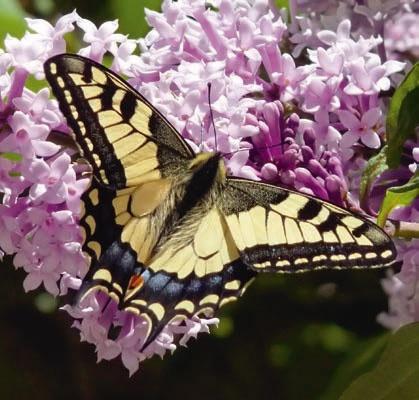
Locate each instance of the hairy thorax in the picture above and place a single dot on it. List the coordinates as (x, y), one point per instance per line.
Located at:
(168, 211)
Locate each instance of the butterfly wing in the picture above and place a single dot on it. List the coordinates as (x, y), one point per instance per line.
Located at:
(134, 153)
(125, 139)
(280, 230)
(112, 261)
(191, 275)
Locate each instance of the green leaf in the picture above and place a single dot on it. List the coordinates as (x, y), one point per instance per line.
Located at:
(375, 167)
(398, 196)
(403, 116)
(131, 15)
(396, 375)
(362, 358)
(16, 157)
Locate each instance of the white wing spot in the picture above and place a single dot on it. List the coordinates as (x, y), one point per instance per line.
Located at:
(355, 256)
(386, 254)
(370, 255)
(321, 257)
(338, 257)
(53, 68)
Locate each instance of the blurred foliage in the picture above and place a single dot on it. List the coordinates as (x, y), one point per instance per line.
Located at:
(130, 13)
(397, 373)
(290, 337)
(11, 19)
(363, 356)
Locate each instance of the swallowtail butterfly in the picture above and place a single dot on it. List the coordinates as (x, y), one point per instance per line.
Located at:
(169, 234)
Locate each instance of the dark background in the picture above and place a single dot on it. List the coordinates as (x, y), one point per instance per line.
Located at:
(290, 337)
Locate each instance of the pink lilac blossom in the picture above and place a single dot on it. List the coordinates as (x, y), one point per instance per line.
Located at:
(221, 48)
(387, 18)
(342, 83)
(287, 125)
(341, 89)
(101, 39)
(402, 36)
(362, 128)
(403, 288)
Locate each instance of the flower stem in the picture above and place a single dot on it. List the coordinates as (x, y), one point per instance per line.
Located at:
(408, 230)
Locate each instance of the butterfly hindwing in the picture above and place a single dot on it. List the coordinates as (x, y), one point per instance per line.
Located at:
(124, 138)
(165, 298)
(201, 248)
(280, 230)
(120, 233)
(112, 261)
(196, 272)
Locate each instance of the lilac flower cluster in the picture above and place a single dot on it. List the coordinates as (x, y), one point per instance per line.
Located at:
(402, 36)
(304, 118)
(41, 190)
(393, 20)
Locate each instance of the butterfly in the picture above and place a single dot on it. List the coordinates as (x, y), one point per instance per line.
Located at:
(168, 233)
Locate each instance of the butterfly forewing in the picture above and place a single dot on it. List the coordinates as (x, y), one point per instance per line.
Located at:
(124, 138)
(280, 230)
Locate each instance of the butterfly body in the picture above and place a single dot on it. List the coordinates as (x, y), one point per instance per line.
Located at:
(169, 234)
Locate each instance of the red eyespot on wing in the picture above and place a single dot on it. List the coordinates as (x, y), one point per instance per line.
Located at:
(135, 282)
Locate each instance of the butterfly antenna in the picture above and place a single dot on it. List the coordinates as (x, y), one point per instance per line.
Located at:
(212, 115)
(256, 148)
(201, 145)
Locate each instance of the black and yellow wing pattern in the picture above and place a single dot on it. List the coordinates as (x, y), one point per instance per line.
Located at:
(137, 159)
(169, 235)
(125, 139)
(280, 230)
